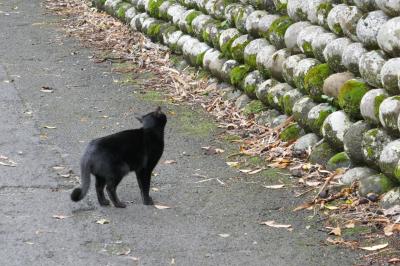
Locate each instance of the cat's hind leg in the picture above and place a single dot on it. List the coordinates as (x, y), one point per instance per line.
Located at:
(100, 184)
(112, 184)
(144, 180)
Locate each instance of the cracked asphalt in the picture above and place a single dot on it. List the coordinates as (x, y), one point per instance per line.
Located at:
(41, 130)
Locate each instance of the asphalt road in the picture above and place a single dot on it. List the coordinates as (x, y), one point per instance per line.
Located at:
(87, 103)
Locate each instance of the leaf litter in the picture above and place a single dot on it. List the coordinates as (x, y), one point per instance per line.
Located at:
(117, 43)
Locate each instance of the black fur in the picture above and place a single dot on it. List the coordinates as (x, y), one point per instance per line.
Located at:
(112, 157)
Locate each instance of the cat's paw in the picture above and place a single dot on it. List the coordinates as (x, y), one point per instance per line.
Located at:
(148, 201)
(104, 202)
(120, 205)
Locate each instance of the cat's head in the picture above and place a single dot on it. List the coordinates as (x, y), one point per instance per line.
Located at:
(156, 119)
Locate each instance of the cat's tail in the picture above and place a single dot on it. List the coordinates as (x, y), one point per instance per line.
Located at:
(80, 192)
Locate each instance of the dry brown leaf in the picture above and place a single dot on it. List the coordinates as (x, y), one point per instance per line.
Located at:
(274, 224)
(350, 225)
(304, 206)
(313, 183)
(336, 231)
(275, 186)
(391, 228)
(161, 207)
(376, 247)
(169, 162)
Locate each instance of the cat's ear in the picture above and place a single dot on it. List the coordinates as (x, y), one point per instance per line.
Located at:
(139, 118)
(158, 110)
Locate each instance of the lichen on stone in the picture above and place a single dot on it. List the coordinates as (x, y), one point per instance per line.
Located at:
(276, 32)
(314, 80)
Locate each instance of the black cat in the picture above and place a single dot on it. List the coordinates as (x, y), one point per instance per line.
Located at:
(112, 157)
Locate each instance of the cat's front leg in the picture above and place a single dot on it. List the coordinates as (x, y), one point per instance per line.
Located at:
(144, 180)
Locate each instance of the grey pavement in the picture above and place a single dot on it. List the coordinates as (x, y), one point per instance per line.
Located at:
(34, 54)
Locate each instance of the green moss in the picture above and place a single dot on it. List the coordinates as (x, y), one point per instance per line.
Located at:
(121, 8)
(238, 74)
(154, 6)
(386, 183)
(253, 107)
(356, 231)
(292, 132)
(199, 59)
(250, 90)
(321, 153)
(251, 61)
(317, 123)
(189, 18)
(350, 95)
(342, 161)
(314, 80)
(337, 29)
(324, 8)
(226, 47)
(153, 31)
(195, 124)
(377, 102)
(237, 51)
(281, 7)
(277, 30)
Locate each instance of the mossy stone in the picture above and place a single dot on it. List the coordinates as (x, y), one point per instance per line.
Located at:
(314, 80)
(186, 21)
(373, 142)
(238, 46)
(370, 103)
(121, 9)
(277, 30)
(377, 184)
(154, 6)
(321, 153)
(153, 31)
(317, 115)
(291, 132)
(226, 39)
(301, 70)
(300, 110)
(237, 75)
(275, 95)
(263, 89)
(250, 83)
(289, 98)
(389, 111)
(339, 160)
(334, 127)
(350, 95)
(352, 141)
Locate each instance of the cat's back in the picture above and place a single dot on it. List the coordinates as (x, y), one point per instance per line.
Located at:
(117, 141)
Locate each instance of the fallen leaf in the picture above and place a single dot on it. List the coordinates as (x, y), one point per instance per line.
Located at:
(246, 171)
(304, 206)
(391, 228)
(335, 241)
(46, 89)
(336, 231)
(211, 151)
(5, 161)
(124, 253)
(60, 217)
(313, 183)
(169, 162)
(102, 221)
(275, 186)
(233, 164)
(50, 127)
(133, 258)
(331, 207)
(28, 242)
(58, 168)
(161, 207)
(394, 261)
(255, 171)
(155, 189)
(224, 235)
(376, 247)
(350, 225)
(274, 224)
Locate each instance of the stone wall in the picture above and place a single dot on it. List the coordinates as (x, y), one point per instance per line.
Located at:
(331, 64)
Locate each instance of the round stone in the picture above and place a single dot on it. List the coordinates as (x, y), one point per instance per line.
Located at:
(348, 22)
(390, 76)
(333, 53)
(263, 89)
(368, 27)
(334, 127)
(297, 9)
(370, 66)
(318, 10)
(305, 38)
(252, 49)
(292, 33)
(373, 142)
(352, 141)
(317, 115)
(275, 95)
(339, 160)
(277, 30)
(389, 111)
(274, 64)
(369, 106)
(175, 13)
(238, 74)
(304, 144)
(238, 46)
(199, 23)
(389, 37)
(265, 24)
(391, 7)
(250, 83)
(377, 184)
(289, 65)
(334, 17)
(241, 17)
(321, 153)
(226, 38)
(389, 158)
(314, 81)
(227, 68)
(365, 5)
(300, 110)
(262, 59)
(334, 82)
(301, 70)
(253, 20)
(319, 43)
(356, 174)
(289, 98)
(351, 55)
